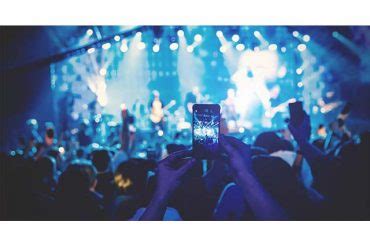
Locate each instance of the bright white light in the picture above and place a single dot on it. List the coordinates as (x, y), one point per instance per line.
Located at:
(283, 49)
(223, 49)
(306, 38)
(299, 71)
(219, 34)
(235, 38)
(315, 109)
(300, 84)
(240, 47)
(89, 32)
(61, 150)
(123, 106)
(257, 34)
(180, 33)
(156, 48)
(241, 130)
(102, 71)
(272, 47)
(91, 50)
(106, 46)
(190, 48)
(301, 47)
(282, 72)
(141, 45)
(256, 48)
(124, 47)
(198, 38)
(174, 46)
(117, 38)
(295, 34)
(160, 132)
(139, 34)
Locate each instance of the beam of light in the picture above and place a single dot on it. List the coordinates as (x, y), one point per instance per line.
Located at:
(156, 48)
(261, 39)
(190, 67)
(230, 54)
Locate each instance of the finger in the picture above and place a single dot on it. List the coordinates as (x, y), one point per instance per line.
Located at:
(225, 145)
(238, 144)
(177, 155)
(184, 168)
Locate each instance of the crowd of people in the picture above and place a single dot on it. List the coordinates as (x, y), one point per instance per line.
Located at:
(280, 176)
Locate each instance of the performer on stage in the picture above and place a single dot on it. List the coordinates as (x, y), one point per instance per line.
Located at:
(228, 110)
(156, 111)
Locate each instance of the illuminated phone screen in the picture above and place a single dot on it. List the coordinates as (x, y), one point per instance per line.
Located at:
(206, 129)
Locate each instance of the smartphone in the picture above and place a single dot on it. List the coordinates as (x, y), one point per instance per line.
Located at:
(296, 112)
(206, 130)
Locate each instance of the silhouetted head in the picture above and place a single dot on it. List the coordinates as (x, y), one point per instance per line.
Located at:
(101, 159)
(272, 142)
(131, 177)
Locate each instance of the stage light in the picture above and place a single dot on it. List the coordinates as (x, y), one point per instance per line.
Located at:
(223, 49)
(272, 47)
(190, 48)
(241, 130)
(315, 109)
(219, 34)
(174, 46)
(124, 47)
(300, 84)
(235, 38)
(240, 47)
(117, 38)
(180, 33)
(156, 48)
(89, 32)
(141, 45)
(335, 34)
(256, 48)
(257, 34)
(102, 71)
(61, 150)
(139, 34)
(306, 38)
(299, 71)
(283, 49)
(160, 132)
(301, 47)
(295, 34)
(106, 46)
(282, 72)
(91, 50)
(198, 38)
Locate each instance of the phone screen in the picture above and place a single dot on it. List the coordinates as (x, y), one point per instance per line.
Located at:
(206, 129)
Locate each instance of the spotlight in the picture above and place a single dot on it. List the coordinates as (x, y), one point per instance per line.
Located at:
(106, 46)
(174, 46)
(306, 38)
(240, 47)
(299, 71)
(283, 49)
(219, 34)
(301, 47)
(190, 48)
(160, 132)
(272, 47)
(102, 71)
(61, 150)
(257, 34)
(156, 48)
(222, 49)
(141, 45)
(295, 34)
(235, 38)
(91, 50)
(124, 47)
(300, 84)
(139, 34)
(198, 38)
(89, 32)
(117, 38)
(180, 33)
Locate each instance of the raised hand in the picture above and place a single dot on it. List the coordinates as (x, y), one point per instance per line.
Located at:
(169, 175)
(302, 132)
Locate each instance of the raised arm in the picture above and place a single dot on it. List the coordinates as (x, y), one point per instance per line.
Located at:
(170, 172)
(262, 204)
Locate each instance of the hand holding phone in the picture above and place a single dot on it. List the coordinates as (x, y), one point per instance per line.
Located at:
(206, 130)
(296, 113)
